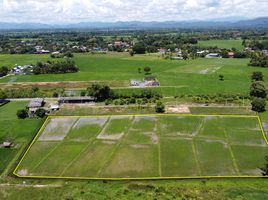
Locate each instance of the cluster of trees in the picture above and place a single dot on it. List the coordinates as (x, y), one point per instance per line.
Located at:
(31, 93)
(219, 98)
(100, 92)
(23, 113)
(237, 54)
(103, 93)
(258, 92)
(55, 67)
(3, 71)
(256, 44)
(151, 43)
(259, 59)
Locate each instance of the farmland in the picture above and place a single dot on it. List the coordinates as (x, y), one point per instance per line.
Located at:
(19, 131)
(192, 77)
(227, 44)
(148, 146)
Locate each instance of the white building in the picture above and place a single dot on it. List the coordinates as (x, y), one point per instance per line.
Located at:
(213, 55)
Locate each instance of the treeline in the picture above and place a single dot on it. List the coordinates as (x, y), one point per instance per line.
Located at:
(256, 44)
(258, 92)
(259, 60)
(104, 92)
(31, 93)
(153, 42)
(55, 67)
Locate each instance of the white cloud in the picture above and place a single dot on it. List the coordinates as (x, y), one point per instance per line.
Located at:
(56, 11)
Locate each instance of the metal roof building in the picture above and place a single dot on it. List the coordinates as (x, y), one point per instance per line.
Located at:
(88, 99)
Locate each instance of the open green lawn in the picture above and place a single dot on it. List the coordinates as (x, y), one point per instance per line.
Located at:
(227, 44)
(200, 76)
(21, 59)
(18, 131)
(146, 147)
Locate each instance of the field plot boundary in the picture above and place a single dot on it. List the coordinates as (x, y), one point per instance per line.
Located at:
(143, 178)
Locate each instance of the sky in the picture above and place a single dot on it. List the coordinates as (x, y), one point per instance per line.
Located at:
(73, 11)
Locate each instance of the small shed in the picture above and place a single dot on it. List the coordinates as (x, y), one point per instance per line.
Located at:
(54, 107)
(7, 144)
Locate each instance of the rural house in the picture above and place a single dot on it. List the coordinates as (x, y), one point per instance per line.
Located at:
(35, 104)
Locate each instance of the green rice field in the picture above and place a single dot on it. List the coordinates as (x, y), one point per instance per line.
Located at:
(146, 147)
(191, 77)
(226, 44)
(20, 132)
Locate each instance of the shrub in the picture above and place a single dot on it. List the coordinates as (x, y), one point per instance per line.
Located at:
(147, 70)
(40, 112)
(258, 105)
(265, 168)
(101, 92)
(257, 76)
(83, 93)
(221, 77)
(160, 107)
(22, 114)
(139, 48)
(258, 89)
(3, 71)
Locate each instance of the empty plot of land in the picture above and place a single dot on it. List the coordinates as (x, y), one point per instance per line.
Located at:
(153, 146)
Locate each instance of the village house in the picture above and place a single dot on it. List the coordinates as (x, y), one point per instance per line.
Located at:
(135, 82)
(265, 52)
(121, 44)
(177, 58)
(18, 69)
(162, 50)
(213, 55)
(231, 54)
(146, 82)
(35, 104)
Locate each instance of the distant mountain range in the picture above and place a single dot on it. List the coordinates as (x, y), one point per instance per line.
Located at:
(261, 22)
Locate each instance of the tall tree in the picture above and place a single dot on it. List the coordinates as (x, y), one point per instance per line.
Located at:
(257, 76)
(139, 48)
(258, 104)
(258, 89)
(101, 92)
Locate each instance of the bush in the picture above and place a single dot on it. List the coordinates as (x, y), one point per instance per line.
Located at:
(22, 114)
(2, 94)
(40, 112)
(55, 94)
(3, 71)
(147, 70)
(139, 48)
(160, 107)
(83, 93)
(265, 168)
(101, 92)
(258, 105)
(257, 76)
(221, 77)
(258, 89)
(57, 67)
